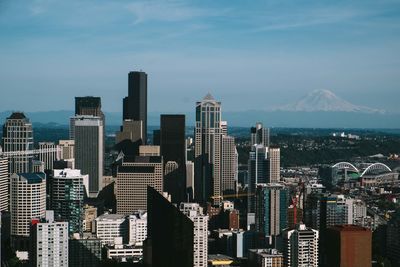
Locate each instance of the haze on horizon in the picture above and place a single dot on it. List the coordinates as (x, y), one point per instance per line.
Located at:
(257, 56)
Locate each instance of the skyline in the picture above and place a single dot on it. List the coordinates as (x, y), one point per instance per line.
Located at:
(245, 56)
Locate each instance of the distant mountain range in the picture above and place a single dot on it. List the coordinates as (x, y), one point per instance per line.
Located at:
(318, 109)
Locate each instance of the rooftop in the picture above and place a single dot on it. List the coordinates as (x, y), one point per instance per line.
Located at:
(349, 228)
(33, 178)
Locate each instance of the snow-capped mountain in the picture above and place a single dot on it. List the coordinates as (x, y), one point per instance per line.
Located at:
(325, 100)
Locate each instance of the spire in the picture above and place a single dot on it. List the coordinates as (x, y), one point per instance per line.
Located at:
(209, 97)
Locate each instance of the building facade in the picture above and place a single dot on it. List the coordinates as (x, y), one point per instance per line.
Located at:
(89, 150)
(229, 165)
(28, 201)
(68, 191)
(300, 247)
(4, 183)
(18, 136)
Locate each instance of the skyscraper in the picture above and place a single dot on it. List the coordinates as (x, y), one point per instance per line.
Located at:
(4, 191)
(18, 136)
(200, 232)
(271, 209)
(88, 106)
(49, 242)
(274, 158)
(258, 172)
(28, 201)
(170, 236)
(133, 177)
(229, 165)
(89, 150)
(208, 138)
(68, 190)
(349, 246)
(259, 135)
(173, 150)
(135, 104)
(300, 247)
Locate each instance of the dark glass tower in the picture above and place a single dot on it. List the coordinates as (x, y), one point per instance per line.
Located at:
(88, 105)
(170, 235)
(173, 150)
(135, 104)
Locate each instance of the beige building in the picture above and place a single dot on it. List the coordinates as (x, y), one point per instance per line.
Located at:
(28, 201)
(90, 214)
(133, 179)
(274, 156)
(67, 149)
(229, 165)
(4, 192)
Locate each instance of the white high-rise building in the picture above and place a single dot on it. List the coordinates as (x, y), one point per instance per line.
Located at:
(300, 247)
(200, 240)
(137, 228)
(89, 150)
(274, 157)
(18, 136)
(259, 135)
(50, 242)
(4, 192)
(48, 154)
(28, 201)
(110, 226)
(208, 138)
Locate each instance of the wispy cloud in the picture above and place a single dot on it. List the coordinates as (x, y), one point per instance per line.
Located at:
(169, 11)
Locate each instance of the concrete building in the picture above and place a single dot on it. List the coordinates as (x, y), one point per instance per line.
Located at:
(49, 246)
(89, 150)
(90, 215)
(130, 137)
(265, 258)
(200, 232)
(393, 239)
(121, 252)
(48, 154)
(67, 148)
(28, 201)
(68, 191)
(229, 165)
(349, 246)
(4, 182)
(137, 228)
(208, 139)
(133, 179)
(110, 226)
(274, 158)
(271, 209)
(190, 180)
(300, 247)
(258, 173)
(18, 136)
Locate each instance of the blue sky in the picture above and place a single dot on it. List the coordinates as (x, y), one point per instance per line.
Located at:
(248, 54)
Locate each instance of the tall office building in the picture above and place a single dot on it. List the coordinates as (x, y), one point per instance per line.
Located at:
(28, 201)
(189, 180)
(49, 242)
(349, 246)
(257, 172)
(208, 138)
(88, 105)
(274, 158)
(300, 247)
(68, 191)
(259, 135)
(393, 239)
(18, 136)
(135, 104)
(229, 165)
(48, 154)
(200, 232)
(272, 201)
(89, 150)
(173, 150)
(170, 235)
(130, 137)
(133, 179)
(4, 190)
